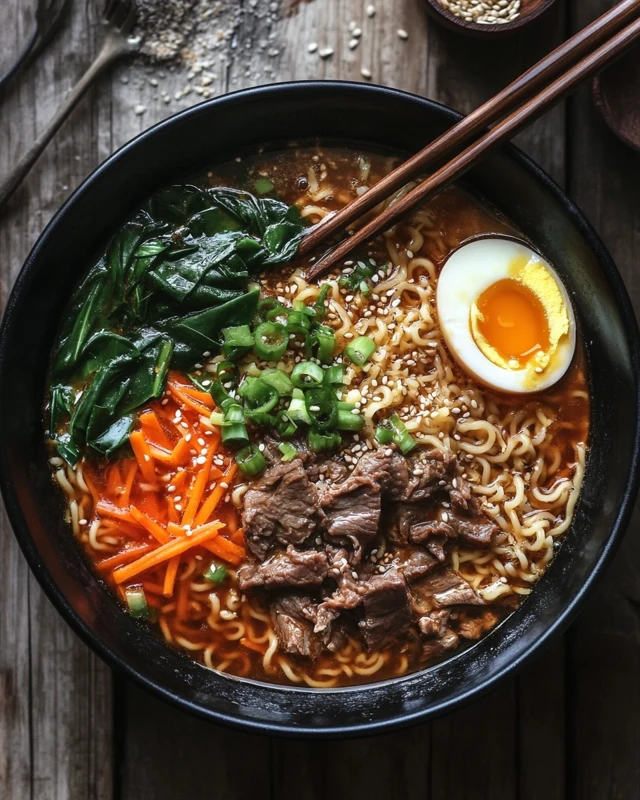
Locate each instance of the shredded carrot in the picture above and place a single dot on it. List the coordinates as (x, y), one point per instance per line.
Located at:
(153, 430)
(114, 481)
(141, 451)
(226, 550)
(123, 557)
(149, 503)
(170, 576)
(180, 453)
(160, 454)
(189, 401)
(202, 397)
(157, 531)
(253, 646)
(237, 537)
(198, 488)
(166, 551)
(107, 509)
(129, 477)
(211, 503)
(182, 600)
(176, 530)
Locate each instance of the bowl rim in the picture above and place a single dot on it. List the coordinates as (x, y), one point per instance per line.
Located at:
(401, 719)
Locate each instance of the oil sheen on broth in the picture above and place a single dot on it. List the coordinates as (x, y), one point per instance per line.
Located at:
(491, 486)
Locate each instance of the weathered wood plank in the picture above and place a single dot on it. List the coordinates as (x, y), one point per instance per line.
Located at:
(55, 706)
(604, 645)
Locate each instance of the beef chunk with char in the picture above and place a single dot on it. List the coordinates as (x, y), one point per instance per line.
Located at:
(282, 506)
(438, 646)
(473, 624)
(293, 617)
(291, 569)
(388, 469)
(441, 589)
(386, 609)
(412, 480)
(413, 562)
(435, 623)
(352, 511)
(477, 531)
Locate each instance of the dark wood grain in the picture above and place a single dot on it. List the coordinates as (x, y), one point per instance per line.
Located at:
(616, 93)
(603, 726)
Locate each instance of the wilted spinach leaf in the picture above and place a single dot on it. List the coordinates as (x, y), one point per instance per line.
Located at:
(170, 279)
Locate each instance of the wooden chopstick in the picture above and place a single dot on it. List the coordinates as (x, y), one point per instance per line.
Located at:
(494, 109)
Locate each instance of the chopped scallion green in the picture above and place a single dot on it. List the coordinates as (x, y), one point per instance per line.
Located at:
(137, 602)
(360, 350)
(251, 461)
(288, 451)
(307, 374)
(216, 573)
(278, 379)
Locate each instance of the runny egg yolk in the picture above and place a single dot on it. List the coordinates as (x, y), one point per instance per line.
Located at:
(512, 321)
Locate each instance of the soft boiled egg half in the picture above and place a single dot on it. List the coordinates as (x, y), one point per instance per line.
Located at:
(505, 315)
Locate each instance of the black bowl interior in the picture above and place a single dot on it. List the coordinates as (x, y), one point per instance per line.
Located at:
(213, 132)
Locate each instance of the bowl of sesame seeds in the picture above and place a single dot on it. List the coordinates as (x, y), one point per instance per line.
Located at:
(487, 18)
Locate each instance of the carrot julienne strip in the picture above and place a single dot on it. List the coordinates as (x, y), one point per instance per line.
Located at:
(157, 531)
(198, 488)
(180, 453)
(253, 645)
(176, 530)
(182, 603)
(123, 557)
(226, 550)
(141, 451)
(129, 477)
(211, 503)
(202, 397)
(188, 401)
(160, 454)
(170, 576)
(153, 430)
(166, 551)
(106, 509)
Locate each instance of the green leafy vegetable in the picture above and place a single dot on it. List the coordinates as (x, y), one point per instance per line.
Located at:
(169, 281)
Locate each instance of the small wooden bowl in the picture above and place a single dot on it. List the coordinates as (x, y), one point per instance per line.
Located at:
(529, 10)
(616, 94)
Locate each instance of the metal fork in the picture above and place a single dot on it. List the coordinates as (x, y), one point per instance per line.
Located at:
(48, 17)
(118, 19)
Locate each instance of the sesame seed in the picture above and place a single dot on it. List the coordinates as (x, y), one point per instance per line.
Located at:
(402, 33)
(312, 47)
(366, 73)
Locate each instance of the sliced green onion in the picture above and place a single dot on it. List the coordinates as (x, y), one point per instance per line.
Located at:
(220, 395)
(319, 306)
(350, 420)
(271, 340)
(334, 376)
(360, 350)
(217, 418)
(322, 407)
(288, 451)
(298, 322)
(303, 308)
(234, 430)
(278, 379)
(268, 305)
(137, 602)
(216, 573)
(297, 410)
(263, 186)
(318, 441)
(325, 339)
(285, 426)
(262, 419)
(251, 461)
(227, 372)
(401, 436)
(237, 341)
(258, 395)
(307, 374)
(384, 433)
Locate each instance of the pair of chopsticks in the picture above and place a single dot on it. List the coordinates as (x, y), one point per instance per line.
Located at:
(512, 109)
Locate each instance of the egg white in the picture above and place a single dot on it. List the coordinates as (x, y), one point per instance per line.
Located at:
(470, 270)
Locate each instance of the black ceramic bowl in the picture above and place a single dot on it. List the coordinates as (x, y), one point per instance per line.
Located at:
(216, 131)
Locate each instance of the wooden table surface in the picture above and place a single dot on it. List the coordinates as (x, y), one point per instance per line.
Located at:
(569, 725)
